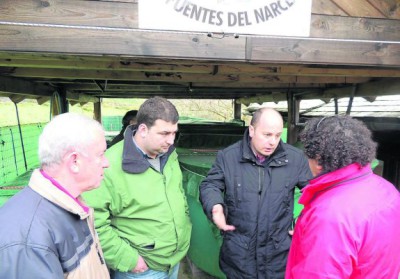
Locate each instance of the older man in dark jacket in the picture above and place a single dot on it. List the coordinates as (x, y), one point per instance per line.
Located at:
(248, 194)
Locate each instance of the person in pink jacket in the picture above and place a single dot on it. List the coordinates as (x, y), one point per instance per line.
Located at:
(349, 227)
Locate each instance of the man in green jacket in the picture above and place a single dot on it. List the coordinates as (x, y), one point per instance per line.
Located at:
(141, 213)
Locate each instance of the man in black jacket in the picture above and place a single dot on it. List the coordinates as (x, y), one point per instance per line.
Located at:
(128, 119)
(248, 194)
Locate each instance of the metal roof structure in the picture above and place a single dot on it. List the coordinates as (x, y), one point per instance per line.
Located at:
(381, 107)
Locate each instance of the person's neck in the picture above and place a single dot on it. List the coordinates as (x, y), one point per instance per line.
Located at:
(58, 176)
(260, 158)
(139, 143)
(64, 189)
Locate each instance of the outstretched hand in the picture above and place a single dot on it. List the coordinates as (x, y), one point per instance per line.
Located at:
(219, 220)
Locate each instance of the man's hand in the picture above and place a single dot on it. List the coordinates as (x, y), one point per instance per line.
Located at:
(219, 218)
(141, 266)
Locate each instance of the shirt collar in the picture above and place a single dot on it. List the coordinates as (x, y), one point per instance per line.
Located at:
(260, 158)
(144, 154)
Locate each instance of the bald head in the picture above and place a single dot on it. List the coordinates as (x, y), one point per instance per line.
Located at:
(266, 114)
(265, 131)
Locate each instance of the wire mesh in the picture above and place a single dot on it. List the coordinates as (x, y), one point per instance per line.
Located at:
(17, 158)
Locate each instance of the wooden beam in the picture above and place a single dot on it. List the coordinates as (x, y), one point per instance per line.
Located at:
(339, 71)
(130, 42)
(325, 51)
(267, 86)
(355, 28)
(133, 42)
(358, 8)
(293, 118)
(390, 8)
(327, 8)
(153, 86)
(117, 14)
(176, 77)
(195, 67)
(97, 111)
(20, 86)
(114, 64)
(122, 14)
(237, 110)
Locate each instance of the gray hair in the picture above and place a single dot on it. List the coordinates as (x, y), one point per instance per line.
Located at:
(66, 132)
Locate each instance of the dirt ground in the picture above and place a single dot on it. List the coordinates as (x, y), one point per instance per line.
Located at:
(188, 271)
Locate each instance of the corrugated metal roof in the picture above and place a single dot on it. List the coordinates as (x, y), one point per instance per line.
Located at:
(383, 106)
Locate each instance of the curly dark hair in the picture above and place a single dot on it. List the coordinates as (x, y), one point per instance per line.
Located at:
(338, 141)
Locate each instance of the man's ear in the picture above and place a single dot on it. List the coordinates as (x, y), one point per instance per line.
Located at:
(142, 130)
(72, 160)
(251, 130)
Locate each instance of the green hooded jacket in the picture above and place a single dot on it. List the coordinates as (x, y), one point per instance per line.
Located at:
(140, 211)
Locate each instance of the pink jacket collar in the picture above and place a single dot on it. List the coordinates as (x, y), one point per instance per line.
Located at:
(329, 180)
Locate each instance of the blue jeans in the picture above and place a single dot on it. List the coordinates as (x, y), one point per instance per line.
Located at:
(148, 274)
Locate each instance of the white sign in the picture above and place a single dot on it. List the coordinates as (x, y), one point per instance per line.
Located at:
(257, 17)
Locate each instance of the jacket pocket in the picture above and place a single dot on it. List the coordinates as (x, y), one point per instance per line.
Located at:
(237, 251)
(149, 246)
(142, 242)
(280, 238)
(275, 236)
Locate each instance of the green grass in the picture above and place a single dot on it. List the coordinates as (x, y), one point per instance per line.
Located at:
(31, 112)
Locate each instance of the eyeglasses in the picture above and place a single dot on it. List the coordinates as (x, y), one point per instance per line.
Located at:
(322, 119)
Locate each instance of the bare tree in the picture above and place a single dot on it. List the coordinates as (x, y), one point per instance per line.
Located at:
(217, 110)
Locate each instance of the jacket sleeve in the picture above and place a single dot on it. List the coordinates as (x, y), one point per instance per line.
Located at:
(25, 261)
(213, 186)
(119, 255)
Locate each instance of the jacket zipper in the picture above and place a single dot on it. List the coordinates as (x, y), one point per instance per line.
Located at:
(98, 253)
(260, 170)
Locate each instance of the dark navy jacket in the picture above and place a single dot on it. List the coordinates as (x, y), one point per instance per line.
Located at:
(258, 201)
(40, 238)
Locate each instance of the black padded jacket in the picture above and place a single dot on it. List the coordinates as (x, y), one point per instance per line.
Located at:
(258, 201)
